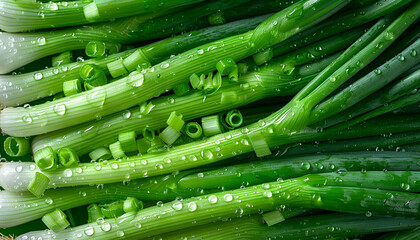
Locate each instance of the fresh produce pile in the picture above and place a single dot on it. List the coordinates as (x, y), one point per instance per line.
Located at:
(210, 119)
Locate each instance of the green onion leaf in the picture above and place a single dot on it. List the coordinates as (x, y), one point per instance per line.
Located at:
(17, 147)
(128, 141)
(149, 133)
(263, 57)
(116, 150)
(94, 213)
(62, 58)
(67, 157)
(175, 121)
(100, 153)
(45, 158)
(132, 205)
(56, 221)
(136, 59)
(193, 130)
(211, 125)
(72, 87)
(143, 145)
(38, 184)
(169, 135)
(260, 145)
(272, 218)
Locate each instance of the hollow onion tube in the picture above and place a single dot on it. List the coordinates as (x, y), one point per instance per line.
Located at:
(139, 87)
(341, 196)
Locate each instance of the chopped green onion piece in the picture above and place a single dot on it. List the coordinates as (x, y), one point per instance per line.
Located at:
(149, 133)
(93, 75)
(175, 121)
(182, 89)
(260, 145)
(217, 18)
(100, 153)
(116, 150)
(157, 146)
(45, 158)
(87, 86)
(137, 58)
(169, 135)
(132, 205)
(112, 210)
(100, 49)
(72, 87)
(94, 213)
(38, 184)
(263, 57)
(67, 157)
(234, 75)
(128, 141)
(193, 130)
(226, 66)
(228, 98)
(196, 81)
(56, 221)
(17, 146)
(91, 12)
(243, 68)
(62, 58)
(146, 107)
(211, 125)
(213, 84)
(143, 145)
(272, 218)
(234, 118)
(117, 68)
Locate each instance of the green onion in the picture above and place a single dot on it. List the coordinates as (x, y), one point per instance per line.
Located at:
(46, 159)
(143, 145)
(92, 75)
(100, 49)
(67, 157)
(146, 107)
(94, 213)
(56, 221)
(272, 218)
(193, 130)
(100, 153)
(131, 204)
(117, 68)
(182, 89)
(116, 150)
(17, 147)
(211, 125)
(234, 118)
(112, 210)
(217, 18)
(196, 81)
(72, 87)
(136, 59)
(175, 121)
(148, 133)
(38, 184)
(228, 98)
(62, 59)
(169, 135)
(226, 66)
(259, 144)
(127, 141)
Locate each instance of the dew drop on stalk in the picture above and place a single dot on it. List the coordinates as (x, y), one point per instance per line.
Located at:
(177, 205)
(114, 166)
(49, 201)
(368, 214)
(135, 79)
(401, 57)
(126, 114)
(378, 71)
(38, 76)
(227, 197)
(120, 233)
(96, 97)
(41, 41)
(19, 168)
(143, 162)
(413, 52)
(68, 173)
(192, 206)
(200, 51)
(267, 194)
(59, 109)
(106, 227)
(212, 199)
(305, 165)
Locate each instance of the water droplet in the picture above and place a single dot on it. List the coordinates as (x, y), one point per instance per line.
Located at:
(68, 173)
(138, 225)
(266, 186)
(143, 162)
(379, 45)
(405, 186)
(120, 233)
(212, 199)
(159, 204)
(200, 51)
(330, 228)
(192, 206)
(227, 197)
(401, 57)
(96, 97)
(38, 76)
(200, 175)
(368, 214)
(98, 167)
(49, 201)
(389, 35)
(106, 227)
(41, 41)
(177, 205)
(164, 65)
(114, 165)
(333, 79)
(60, 109)
(135, 79)
(193, 158)
(413, 52)
(378, 71)
(305, 165)
(19, 168)
(267, 194)
(126, 114)
(207, 154)
(261, 123)
(89, 231)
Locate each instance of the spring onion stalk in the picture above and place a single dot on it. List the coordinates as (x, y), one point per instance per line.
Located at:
(341, 196)
(265, 84)
(381, 76)
(125, 30)
(325, 226)
(402, 235)
(337, 24)
(139, 87)
(149, 133)
(187, 183)
(17, 147)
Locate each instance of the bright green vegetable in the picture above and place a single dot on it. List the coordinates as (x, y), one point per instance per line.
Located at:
(128, 141)
(117, 151)
(67, 157)
(193, 130)
(100, 153)
(39, 184)
(100, 49)
(17, 147)
(45, 159)
(56, 221)
(62, 59)
(72, 87)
